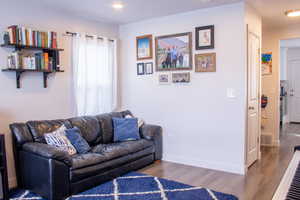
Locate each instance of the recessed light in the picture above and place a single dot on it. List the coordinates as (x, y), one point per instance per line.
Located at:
(117, 5)
(293, 13)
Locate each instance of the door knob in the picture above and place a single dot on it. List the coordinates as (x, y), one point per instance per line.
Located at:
(251, 108)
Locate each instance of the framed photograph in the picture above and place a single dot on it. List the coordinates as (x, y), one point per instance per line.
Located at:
(144, 47)
(205, 62)
(164, 79)
(266, 65)
(149, 68)
(181, 77)
(205, 37)
(140, 69)
(174, 52)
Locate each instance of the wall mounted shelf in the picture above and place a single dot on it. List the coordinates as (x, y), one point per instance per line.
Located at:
(53, 52)
(20, 47)
(20, 71)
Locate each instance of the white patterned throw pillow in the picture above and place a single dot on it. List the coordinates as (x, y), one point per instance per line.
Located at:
(58, 139)
(140, 121)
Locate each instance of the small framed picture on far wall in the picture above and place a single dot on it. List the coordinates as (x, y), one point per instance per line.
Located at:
(205, 37)
(140, 68)
(144, 47)
(149, 68)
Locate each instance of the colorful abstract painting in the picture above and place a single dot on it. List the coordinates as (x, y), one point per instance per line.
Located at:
(266, 66)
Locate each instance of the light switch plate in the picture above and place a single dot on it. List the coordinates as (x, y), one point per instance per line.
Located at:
(231, 93)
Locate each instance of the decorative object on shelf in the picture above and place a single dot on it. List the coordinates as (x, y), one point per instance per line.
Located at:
(140, 69)
(266, 66)
(205, 37)
(164, 79)
(5, 38)
(174, 52)
(181, 77)
(3, 169)
(205, 62)
(149, 68)
(144, 47)
(34, 51)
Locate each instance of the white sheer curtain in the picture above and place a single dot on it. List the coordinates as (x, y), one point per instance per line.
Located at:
(95, 74)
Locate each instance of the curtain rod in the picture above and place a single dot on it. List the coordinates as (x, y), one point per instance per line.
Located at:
(88, 36)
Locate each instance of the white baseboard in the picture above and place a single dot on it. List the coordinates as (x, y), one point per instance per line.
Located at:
(226, 167)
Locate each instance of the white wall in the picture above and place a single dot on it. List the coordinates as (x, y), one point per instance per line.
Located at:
(32, 101)
(202, 127)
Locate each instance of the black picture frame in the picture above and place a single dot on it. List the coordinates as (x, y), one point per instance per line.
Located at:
(212, 37)
(140, 67)
(151, 68)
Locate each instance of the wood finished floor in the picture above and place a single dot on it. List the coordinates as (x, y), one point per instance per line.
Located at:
(260, 182)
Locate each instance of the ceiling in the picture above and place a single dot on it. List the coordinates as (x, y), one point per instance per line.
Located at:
(134, 10)
(273, 11)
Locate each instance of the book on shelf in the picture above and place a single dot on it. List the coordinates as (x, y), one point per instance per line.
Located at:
(29, 37)
(34, 61)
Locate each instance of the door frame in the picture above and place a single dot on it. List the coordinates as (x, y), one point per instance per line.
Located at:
(289, 79)
(259, 99)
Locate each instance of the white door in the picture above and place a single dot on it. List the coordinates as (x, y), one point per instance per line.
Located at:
(253, 99)
(294, 93)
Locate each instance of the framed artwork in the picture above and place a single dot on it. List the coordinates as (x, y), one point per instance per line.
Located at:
(149, 68)
(181, 77)
(140, 69)
(144, 47)
(174, 52)
(164, 78)
(266, 65)
(205, 37)
(205, 62)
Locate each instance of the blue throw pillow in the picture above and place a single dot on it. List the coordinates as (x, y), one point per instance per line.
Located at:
(125, 129)
(77, 140)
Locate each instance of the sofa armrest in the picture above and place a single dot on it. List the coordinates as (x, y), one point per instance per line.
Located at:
(47, 151)
(154, 133)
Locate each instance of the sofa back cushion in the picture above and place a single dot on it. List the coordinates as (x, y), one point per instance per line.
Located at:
(39, 128)
(20, 133)
(89, 128)
(106, 123)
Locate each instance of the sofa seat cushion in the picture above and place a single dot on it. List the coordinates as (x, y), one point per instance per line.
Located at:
(119, 149)
(105, 152)
(76, 175)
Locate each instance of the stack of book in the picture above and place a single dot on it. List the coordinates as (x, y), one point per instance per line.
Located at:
(37, 61)
(29, 37)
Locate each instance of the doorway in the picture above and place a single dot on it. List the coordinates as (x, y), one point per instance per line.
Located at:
(289, 83)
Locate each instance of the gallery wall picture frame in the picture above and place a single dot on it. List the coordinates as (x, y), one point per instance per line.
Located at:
(140, 68)
(266, 63)
(174, 52)
(164, 78)
(205, 62)
(144, 47)
(149, 68)
(205, 37)
(182, 77)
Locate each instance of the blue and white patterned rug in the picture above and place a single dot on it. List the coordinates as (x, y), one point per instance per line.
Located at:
(136, 186)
